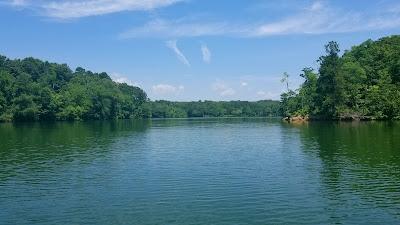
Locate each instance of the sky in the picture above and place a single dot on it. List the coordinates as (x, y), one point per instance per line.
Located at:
(189, 50)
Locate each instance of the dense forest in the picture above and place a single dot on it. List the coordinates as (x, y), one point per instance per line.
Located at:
(166, 109)
(34, 90)
(363, 83)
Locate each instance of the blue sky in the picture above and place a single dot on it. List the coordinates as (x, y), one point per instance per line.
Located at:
(192, 49)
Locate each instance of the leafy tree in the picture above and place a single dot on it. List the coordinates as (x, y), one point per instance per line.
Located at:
(308, 92)
(363, 83)
(31, 89)
(328, 93)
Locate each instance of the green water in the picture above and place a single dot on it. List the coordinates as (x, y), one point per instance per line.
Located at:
(208, 171)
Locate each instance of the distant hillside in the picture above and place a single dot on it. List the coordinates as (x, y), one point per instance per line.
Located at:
(167, 109)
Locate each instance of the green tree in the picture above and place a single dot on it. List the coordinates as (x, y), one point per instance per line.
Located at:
(327, 84)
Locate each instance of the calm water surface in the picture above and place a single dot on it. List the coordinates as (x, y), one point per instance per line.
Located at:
(208, 171)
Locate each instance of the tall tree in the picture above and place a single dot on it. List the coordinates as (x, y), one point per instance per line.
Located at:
(327, 89)
(285, 80)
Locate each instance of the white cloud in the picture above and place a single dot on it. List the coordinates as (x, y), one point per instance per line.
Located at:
(119, 78)
(318, 18)
(394, 9)
(267, 95)
(19, 3)
(223, 89)
(70, 9)
(243, 84)
(318, 5)
(260, 93)
(179, 28)
(172, 44)
(315, 19)
(167, 89)
(228, 92)
(205, 51)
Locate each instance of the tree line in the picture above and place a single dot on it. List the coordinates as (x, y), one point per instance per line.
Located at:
(363, 83)
(35, 90)
(167, 109)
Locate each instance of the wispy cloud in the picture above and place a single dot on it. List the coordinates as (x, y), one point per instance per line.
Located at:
(177, 28)
(316, 6)
(119, 78)
(172, 44)
(317, 18)
(223, 89)
(267, 95)
(18, 3)
(394, 8)
(205, 51)
(70, 9)
(320, 18)
(167, 89)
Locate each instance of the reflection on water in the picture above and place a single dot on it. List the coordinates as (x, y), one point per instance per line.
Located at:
(360, 163)
(200, 171)
(40, 146)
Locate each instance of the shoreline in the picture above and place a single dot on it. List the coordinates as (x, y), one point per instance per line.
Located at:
(304, 119)
(144, 119)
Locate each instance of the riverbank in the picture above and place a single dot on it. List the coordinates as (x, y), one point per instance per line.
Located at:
(303, 119)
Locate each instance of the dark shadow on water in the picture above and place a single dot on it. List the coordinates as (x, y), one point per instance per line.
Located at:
(358, 160)
(36, 146)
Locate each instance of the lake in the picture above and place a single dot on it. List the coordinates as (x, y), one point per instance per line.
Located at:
(200, 171)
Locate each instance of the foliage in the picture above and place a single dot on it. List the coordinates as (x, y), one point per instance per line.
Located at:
(363, 83)
(32, 90)
(166, 109)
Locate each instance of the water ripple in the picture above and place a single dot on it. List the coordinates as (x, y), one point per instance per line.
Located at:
(206, 171)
